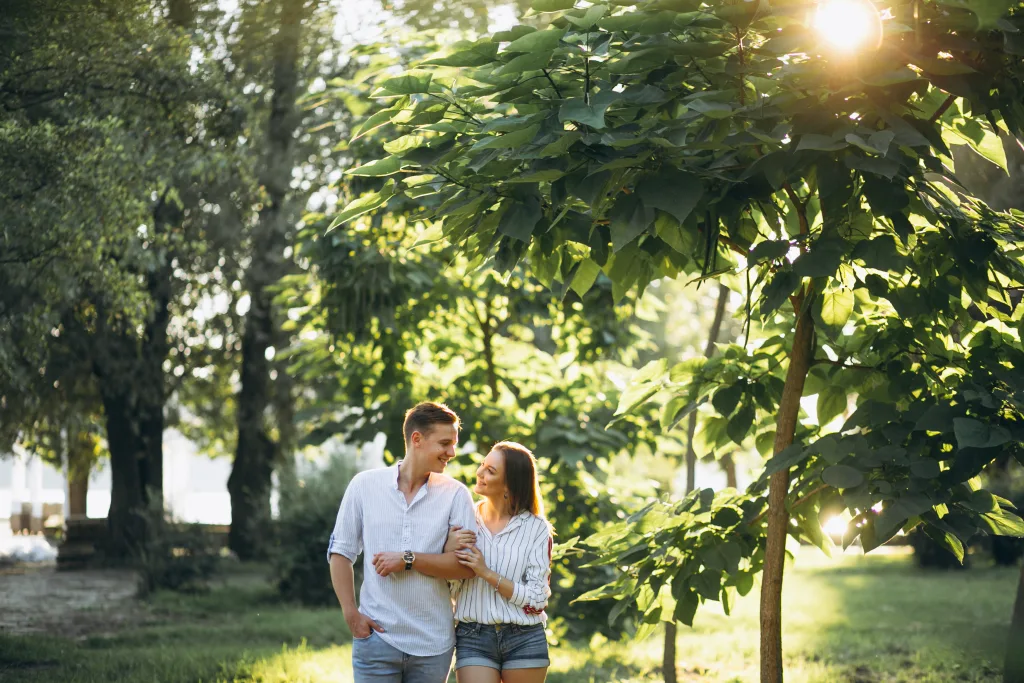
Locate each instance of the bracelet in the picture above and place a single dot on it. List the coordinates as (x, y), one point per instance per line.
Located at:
(497, 586)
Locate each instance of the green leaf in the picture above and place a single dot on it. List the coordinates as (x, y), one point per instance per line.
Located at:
(629, 219)
(740, 423)
(974, 434)
(407, 84)
(368, 202)
(588, 18)
(778, 290)
(640, 388)
(674, 192)
(381, 167)
(481, 53)
(585, 277)
(938, 418)
(592, 114)
(791, 455)
(710, 109)
(842, 476)
(675, 410)
(530, 61)
(508, 140)
(836, 307)
(728, 398)
(821, 143)
(686, 607)
(979, 138)
(831, 404)
(537, 41)
(378, 119)
(1004, 523)
(925, 468)
(822, 260)
(769, 250)
(561, 145)
(521, 218)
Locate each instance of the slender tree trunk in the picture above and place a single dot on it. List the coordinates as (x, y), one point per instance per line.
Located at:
(729, 467)
(488, 337)
(668, 657)
(256, 452)
(778, 487)
(668, 660)
(1014, 670)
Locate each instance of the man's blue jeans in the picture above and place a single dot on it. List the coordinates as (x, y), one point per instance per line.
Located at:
(374, 661)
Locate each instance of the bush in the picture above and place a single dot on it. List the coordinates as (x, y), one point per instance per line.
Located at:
(308, 510)
(178, 556)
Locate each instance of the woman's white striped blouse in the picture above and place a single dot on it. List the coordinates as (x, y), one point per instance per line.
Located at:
(521, 553)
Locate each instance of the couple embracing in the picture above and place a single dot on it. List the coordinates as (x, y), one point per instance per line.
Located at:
(418, 530)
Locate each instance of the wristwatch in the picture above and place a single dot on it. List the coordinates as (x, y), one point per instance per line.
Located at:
(409, 558)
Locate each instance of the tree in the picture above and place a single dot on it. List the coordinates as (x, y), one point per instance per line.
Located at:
(680, 137)
(118, 99)
(256, 450)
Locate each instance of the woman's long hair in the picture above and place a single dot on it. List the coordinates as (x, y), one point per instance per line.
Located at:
(521, 478)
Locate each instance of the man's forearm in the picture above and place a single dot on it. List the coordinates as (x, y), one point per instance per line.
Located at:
(443, 566)
(343, 580)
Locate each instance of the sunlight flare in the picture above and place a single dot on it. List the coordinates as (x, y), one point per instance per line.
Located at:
(847, 26)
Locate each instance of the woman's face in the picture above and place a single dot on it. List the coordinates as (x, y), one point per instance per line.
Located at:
(490, 476)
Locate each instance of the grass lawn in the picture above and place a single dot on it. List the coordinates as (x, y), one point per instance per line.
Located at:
(857, 619)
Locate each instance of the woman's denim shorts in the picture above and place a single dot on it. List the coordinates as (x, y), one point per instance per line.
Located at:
(500, 646)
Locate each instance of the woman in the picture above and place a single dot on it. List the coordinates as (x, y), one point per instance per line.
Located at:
(500, 612)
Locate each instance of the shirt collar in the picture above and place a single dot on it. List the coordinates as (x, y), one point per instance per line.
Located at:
(397, 467)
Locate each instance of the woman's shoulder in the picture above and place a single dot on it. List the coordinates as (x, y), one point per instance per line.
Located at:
(539, 523)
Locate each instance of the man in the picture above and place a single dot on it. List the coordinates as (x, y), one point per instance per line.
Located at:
(398, 518)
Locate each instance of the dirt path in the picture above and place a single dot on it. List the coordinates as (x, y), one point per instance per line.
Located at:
(39, 599)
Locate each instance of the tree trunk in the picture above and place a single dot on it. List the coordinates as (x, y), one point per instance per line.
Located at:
(1014, 670)
(127, 500)
(131, 385)
(778, 487)
(668, 661)
(729, 467)
(256, 452)
(668, 657)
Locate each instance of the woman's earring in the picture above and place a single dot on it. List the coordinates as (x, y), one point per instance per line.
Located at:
(506, 495)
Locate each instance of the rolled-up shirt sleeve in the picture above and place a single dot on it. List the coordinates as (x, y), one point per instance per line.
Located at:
(347, 537)
(533, 593)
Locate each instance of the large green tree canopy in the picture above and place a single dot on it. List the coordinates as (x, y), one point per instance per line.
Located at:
(656, 139)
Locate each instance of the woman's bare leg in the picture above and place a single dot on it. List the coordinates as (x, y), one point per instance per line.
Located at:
(524, 675)
(478, 674)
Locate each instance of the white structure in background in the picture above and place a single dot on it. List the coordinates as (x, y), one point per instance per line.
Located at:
(195, 486)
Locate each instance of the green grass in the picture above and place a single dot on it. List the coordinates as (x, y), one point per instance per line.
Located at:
(856, 619)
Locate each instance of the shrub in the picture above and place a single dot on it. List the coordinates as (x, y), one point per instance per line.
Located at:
(178, 556)
(308, 510)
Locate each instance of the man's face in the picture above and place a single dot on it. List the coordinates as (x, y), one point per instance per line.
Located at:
(437, 446)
